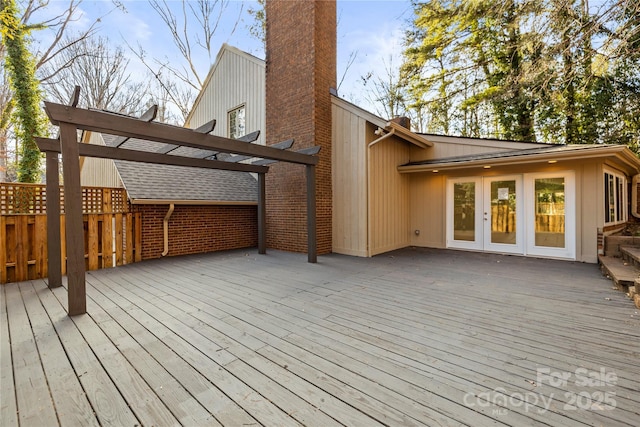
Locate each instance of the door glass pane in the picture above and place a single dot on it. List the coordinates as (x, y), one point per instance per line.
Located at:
(464, 211)
(550, 218)
(503, 212)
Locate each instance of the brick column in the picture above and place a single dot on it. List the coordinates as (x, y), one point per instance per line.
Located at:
(301, 68)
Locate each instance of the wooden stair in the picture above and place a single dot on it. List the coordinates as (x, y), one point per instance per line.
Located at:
(624, 271)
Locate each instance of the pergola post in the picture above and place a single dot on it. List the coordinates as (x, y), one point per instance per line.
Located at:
(262, 215)
(74, 229)
(312, 251)
(54, 257)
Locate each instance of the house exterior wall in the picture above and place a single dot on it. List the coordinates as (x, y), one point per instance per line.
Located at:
(198, 229)
(428, 202)
(96, 172)
(427, 209)
(351, 134)
(410, 208)
(236, 78)
(388, 196)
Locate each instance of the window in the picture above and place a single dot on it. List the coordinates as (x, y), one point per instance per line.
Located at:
(237, 122)
(615, 198)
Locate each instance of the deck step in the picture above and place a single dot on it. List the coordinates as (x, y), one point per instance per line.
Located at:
(621, 272)
(631, 254)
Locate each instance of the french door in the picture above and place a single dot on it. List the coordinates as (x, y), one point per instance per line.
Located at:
(523, 214)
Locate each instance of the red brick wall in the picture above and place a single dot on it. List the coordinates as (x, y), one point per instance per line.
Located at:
(301, 68)
(198, 229)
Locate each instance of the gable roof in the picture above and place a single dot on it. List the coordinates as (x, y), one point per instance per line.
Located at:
(225, 49)
(155, 183)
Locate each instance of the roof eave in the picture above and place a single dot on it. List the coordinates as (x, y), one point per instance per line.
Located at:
(406, 134)
(193, 202)
(621, 152)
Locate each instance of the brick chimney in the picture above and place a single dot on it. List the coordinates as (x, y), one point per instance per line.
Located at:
(301, 69)
(402, 121)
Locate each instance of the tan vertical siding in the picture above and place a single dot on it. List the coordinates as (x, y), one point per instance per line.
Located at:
(590, 190)
(427, 197)
(388, 196)
(237, 78)
(428, 202)
(349, 230)
(98, 172)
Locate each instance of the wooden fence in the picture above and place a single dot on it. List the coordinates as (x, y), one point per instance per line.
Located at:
(503, 220)
(112, 235)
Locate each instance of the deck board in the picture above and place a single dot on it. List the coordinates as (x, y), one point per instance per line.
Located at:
(105, 398)
(8, 404)
(70, 401)
(33, 400)
(414, 337)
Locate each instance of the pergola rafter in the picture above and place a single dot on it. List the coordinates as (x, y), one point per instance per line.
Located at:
(69, 119)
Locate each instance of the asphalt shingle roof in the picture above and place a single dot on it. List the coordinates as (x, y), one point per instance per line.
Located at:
(151, 181)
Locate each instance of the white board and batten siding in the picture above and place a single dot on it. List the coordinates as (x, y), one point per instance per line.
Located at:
(236, 78)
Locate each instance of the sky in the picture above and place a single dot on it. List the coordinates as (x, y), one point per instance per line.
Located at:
(370, 31)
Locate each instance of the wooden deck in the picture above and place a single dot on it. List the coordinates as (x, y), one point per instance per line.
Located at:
(415, 337)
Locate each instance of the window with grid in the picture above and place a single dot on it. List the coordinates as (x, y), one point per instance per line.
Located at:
(615, 198)
(237, 127)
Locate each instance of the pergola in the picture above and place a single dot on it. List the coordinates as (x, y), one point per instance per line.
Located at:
(69, 119)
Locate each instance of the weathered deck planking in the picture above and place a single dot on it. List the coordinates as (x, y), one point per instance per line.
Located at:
(240, 339)
(72, 406)
(33, 400)
(108, 404)
(8, 404)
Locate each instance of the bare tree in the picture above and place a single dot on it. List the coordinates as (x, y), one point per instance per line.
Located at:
(192, 26)
(102, 71)
(59, 24)
(386, 92)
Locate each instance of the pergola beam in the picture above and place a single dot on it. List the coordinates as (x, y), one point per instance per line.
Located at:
(205, 128)
(312, 252)
(308, 151)
(54, 251)
(114, 124)
(74, 231)
(147, 116)
(70, 119)
(284, 145)
(104, 152)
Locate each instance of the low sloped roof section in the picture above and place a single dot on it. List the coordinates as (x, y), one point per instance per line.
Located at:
(551, 152)
(155, 183)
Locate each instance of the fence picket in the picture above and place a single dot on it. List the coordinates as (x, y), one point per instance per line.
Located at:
(92, 241)
(3, 249)
(129, 239)
(119, 239)
(107, 241)
(23, 231)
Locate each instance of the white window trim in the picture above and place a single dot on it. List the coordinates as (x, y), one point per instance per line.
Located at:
(569, 249)
(625, 214)
(237, 107)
